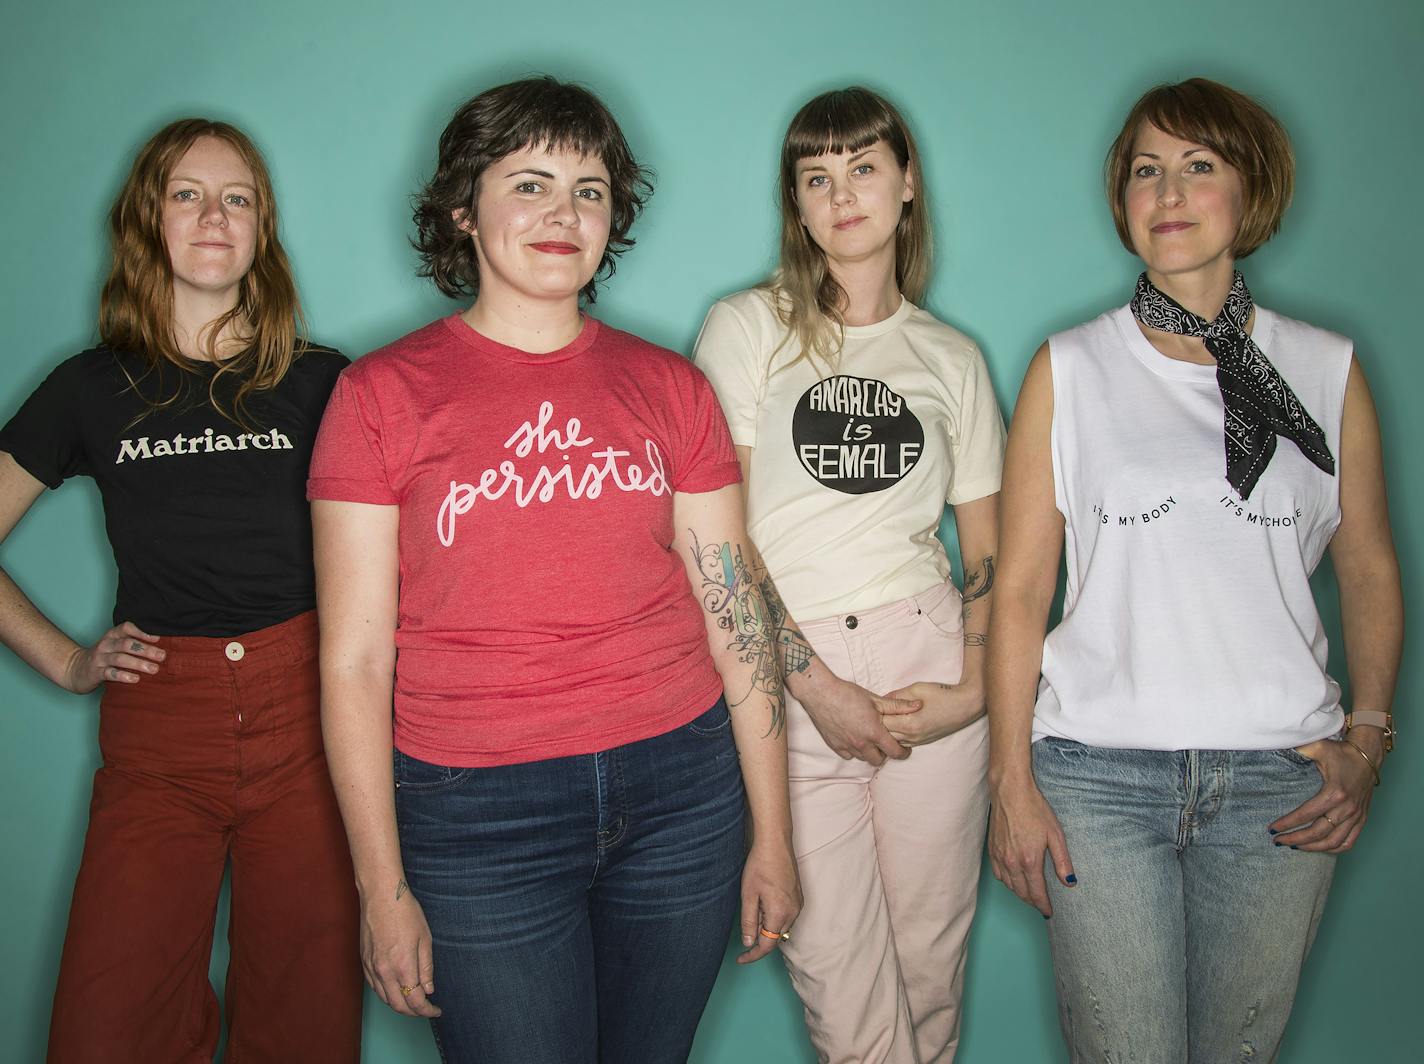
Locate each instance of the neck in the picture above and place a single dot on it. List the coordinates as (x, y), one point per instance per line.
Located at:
(193, 311)
(534, 326)
(871, 292)
(1202, 291)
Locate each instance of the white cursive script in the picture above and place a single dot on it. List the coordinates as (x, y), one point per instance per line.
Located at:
(607, 464)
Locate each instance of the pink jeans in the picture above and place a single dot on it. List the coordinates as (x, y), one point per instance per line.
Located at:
(889, 857)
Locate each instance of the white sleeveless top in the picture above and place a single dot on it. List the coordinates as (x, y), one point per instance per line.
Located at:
(1189, 621)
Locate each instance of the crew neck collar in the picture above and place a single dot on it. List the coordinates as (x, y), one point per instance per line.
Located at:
(471, 337)
(880, 328)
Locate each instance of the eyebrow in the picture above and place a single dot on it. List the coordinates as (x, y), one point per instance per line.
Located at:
(1153, 155)
(550, 177)
(198, 181)
(849, 162)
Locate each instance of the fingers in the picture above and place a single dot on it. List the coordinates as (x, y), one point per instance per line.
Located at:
(130, 629)
(425, 962)
(769, 920)
(895, 704)
(1062, 863)
(407, 998)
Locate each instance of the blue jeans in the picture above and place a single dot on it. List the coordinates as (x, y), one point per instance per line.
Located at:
(1185, 935)
(580, 906)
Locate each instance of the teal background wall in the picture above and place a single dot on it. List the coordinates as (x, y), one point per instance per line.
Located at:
(1014, 104)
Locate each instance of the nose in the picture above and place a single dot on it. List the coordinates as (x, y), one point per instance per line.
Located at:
(214, 212)
(1170, 190)
(841, 194)
(562, 211)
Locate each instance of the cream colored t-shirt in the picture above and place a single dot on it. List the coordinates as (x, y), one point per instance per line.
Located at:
(850, 471)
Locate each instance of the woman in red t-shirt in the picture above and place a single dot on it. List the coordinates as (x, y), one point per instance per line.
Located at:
(529, 537)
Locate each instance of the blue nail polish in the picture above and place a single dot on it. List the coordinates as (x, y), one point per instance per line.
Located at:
(1071, 879)
(1273, 831)
(1045, 916)
(1295, 847)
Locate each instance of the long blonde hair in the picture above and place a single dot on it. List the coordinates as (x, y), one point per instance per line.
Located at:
(808, 299)
(136, 305)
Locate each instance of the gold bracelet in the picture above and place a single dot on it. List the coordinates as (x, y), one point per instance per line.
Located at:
(1355, 746)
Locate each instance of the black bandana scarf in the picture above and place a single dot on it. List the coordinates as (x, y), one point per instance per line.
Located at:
(1259, 405)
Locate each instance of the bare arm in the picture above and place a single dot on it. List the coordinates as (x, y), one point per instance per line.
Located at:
(121, 655)
(712, 541)
(1372, 615)
(1021, 825)
(357, 593)
(949, 707)
(848, 717)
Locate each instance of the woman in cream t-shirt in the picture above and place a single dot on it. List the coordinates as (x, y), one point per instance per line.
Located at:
(857, 416)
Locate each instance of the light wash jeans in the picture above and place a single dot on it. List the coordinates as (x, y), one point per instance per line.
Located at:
(1183, 940)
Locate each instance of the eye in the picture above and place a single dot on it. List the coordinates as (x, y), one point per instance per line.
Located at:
(1200, 166)
(593, 195)
(1146, 170)
(863, 169)
(529, 187)
(237, 199)
(186, 195)
(816, 180)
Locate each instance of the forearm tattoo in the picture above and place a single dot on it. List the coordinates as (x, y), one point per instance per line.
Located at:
(401, 888)
(979, 581)
(976, 639)
(730, 593)
(795, 652)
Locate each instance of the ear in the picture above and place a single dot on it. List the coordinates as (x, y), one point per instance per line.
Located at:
(909, 192)
(463, 220)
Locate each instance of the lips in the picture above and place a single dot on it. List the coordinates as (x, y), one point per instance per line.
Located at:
(849, 223)
(1171, 227)
(217, 245)
(555, 247)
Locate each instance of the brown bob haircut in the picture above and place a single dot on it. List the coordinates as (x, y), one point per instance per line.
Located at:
(1246, 136)
(539, 112)
(136, 304)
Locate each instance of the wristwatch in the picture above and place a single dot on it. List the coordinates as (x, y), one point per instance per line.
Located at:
(1374, 718)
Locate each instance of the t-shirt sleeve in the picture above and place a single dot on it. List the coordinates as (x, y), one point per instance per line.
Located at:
(726, 351)
(707, 460)
(43, 437)
(977, 446)
(348, 461)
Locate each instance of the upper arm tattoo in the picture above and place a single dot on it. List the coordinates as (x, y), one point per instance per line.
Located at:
(730, 593)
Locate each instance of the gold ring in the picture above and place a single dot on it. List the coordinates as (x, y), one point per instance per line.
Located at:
(407, 990)
(1332, 823)
(780, 936)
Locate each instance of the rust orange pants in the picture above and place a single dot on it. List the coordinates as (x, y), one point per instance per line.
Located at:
(216, 758)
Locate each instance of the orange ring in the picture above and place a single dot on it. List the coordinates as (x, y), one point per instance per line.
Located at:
(780, 936)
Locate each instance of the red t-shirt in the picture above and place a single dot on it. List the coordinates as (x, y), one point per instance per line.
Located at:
(543, 612)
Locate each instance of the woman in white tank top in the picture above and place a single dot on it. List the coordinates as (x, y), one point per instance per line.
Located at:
(1173, 772)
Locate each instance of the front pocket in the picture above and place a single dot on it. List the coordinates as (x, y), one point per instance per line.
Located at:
(946, 615)
(1294, 757)
(413, 774)
(715, 721)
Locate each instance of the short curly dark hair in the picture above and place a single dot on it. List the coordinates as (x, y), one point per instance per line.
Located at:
(535, 112)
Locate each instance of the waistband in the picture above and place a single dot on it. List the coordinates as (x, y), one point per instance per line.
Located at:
(289, 642)
(877, 616)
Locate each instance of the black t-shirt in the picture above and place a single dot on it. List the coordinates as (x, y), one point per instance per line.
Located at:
(208, 519)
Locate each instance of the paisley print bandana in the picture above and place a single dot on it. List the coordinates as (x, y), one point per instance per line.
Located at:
(1259, 404)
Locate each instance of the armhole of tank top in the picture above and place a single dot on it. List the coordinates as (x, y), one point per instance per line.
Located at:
(1056, 459)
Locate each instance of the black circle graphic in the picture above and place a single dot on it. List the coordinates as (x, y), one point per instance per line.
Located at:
(856, 434)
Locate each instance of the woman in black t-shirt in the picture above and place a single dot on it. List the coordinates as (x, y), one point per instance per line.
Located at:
(195, 416)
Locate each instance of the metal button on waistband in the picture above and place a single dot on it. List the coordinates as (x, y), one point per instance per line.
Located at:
(851, 622)
(234, 651)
